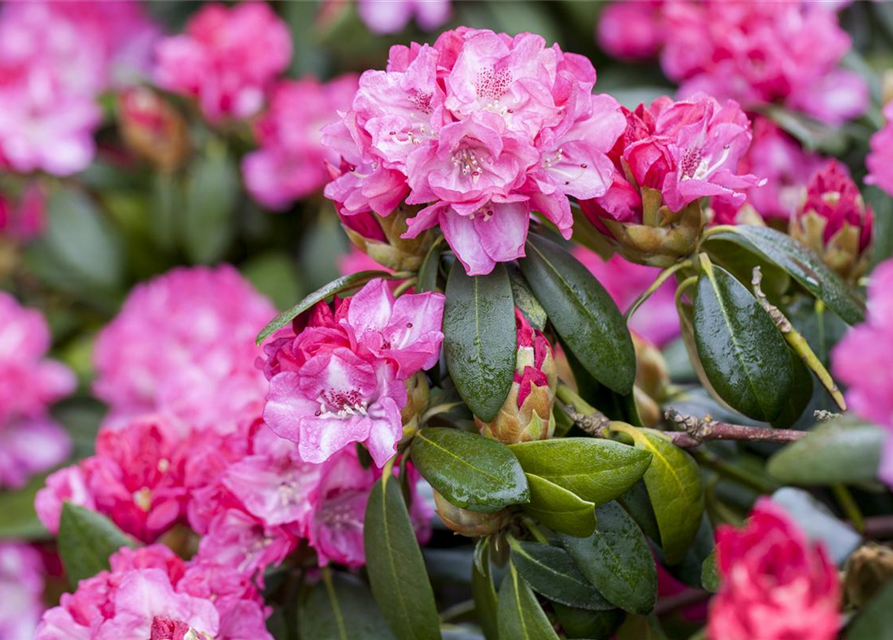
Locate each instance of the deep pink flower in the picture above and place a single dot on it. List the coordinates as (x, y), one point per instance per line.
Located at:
(631, 29)
(183, 344)
(21, 590)
(880, 158)
(291, 162)
(218, 61)
(775, 584)
(833, 196)
(392, 16)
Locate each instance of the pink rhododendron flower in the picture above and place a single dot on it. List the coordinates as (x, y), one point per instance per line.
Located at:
(66, 485)
(21, 590)
(391, 16)
(880, 158)
(291, 161)
(183, 344)
(30, 441)
(656, 320)
(631, 29)
(481, 128)
(775, 584)
(861, 361)
(218, 61)
(237, 539)
(340, 379)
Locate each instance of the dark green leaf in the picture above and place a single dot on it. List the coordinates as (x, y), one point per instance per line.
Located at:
(743, 353)
(558, 508)
(520, 615)
(710, 574)
(839, 452)
(482, 590)
(689, 571)
(526, 301)
(212, 196)
(873, 623)
(343, 610)
(430, 268)
(582, 312)
(86, 540)
(592, 625)
(336, 286)
(19, 521)
(594, 469)
(395, 566)
(616, 560)
(641, 628)
(470, 471)
(799, 397)
(803, 265)
(551, 572)
(637, 504)
(479, 338)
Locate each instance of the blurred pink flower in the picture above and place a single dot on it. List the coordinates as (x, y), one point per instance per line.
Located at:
(880, 158)
(217, 59)
(23, 218)
(656, 320)
(183, 344)
(291, 161)
(21, 590)
(776, 585)
(30, 441)
(391, 16)
(631, 29)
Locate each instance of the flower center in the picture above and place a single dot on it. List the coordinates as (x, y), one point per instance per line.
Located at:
(341, 404)
(466, 161)
(695, 166)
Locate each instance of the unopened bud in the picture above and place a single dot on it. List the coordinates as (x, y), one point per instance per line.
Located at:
(868, 569)
(651, 368)
(379, 237)
(152, 128)
(472, 524)
(417, 394)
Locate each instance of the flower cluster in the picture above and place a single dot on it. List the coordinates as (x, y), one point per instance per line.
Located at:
(55, 57)
(339, 377)
(481, 128)
(291, 162)
(21, 590)
(775, 584)
(880, 158)
(219, 62)
(861, 361)
(391, 16)
(30, 441)
(151, 593)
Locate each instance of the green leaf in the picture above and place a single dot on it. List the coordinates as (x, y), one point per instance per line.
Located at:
(479, 338)
(691, 568)
(799, 397)
(710, 573)
(616, 560)
(520, 615)
(526, 301)
(336, 286)
(86, 540)
(743, 353)
(430, 268)
(842, 451)
(641, 628)
(482, 590)
(674, 486)
(395, 566)
(551, 572)
(19, 521)
(582, 312)
(593, 625)
(596, 470)
(803, 265)
(637, 504)
(470, 471)
(343, 609)
(212, 196)
(873, 623)
(558, 508)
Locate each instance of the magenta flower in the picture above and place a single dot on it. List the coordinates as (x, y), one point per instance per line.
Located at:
(775, 584)
(291, 162)
(880, 158)
(217, 59)
(21, 590)
(24, 217)
(482, 128)
(392, 16)
(631, 29)
(237, 539)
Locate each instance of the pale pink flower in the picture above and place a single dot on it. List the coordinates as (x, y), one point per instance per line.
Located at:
(631, 29)
(183, 344)
(291, 161)
(239, 540)
(880, 158)
(21, 590)
(217, 59)
(775, 584)
(392, 16)
(66, 485)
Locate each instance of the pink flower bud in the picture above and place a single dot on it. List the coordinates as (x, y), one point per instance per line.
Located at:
(152, 128)
(381, 239)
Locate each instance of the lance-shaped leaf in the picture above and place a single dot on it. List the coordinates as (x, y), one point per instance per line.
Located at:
(470, 471)
(343, 609)
(395, 566)
(743, 353)
(520, 615)
(479, 338)
(486, 604)
(558, 508)
(430, 268)
(592, 625)
(616, 560)
(596, 470)
(582, 312)
(86, 541)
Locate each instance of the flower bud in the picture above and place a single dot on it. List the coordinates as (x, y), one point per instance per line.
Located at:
(868, 569)
(469, 523)
(152, 128)
(379, 237)
(834, 221)
(526, 413)
(651, 368)
(417, 393)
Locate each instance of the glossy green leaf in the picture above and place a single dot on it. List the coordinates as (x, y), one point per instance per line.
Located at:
(710, 574)
(520, 615)
(343, 610)
(641, 628)
(637, 504)
(86, 541)
(689, 571)
(674, 486)
(873, 622)
(801, 263)
(19, 521)
(591, 625)
(743, 353)
(470, 471)
(839, 452)
(551, 572)
(526, 301)
(209, 215)
(800, 396)
(596, 470)
(430, 268)
(395, 566)
(482, 590)
(345, 282)
(479, 338)
(558, 508)
(582, 312)
(616, 560)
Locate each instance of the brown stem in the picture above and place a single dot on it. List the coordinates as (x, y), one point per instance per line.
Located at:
(695, 431)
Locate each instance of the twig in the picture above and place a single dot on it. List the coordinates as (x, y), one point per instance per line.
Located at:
(694, 431)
